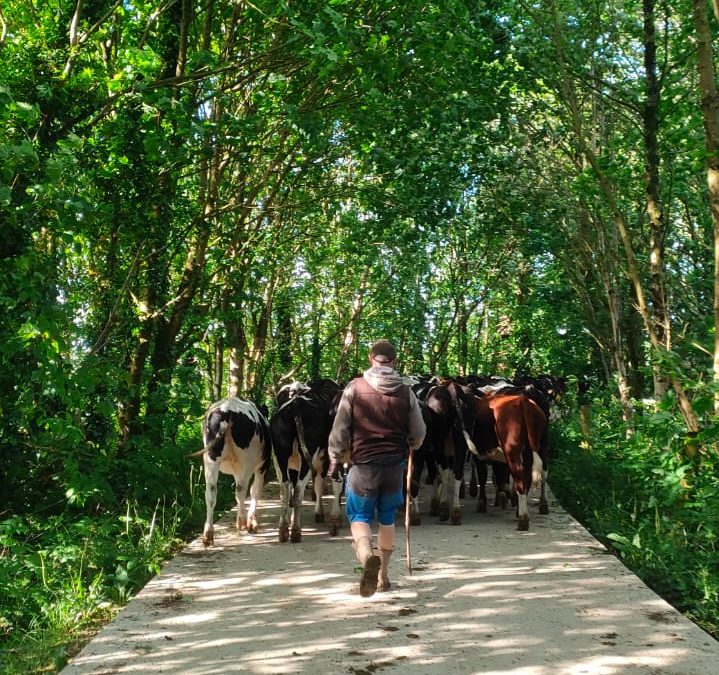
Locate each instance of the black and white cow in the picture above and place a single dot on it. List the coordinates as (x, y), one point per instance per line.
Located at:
(300, 429)
(452, 410)
(236, 441)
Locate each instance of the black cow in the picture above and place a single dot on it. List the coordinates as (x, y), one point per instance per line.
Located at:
(300, 429)
(546, 390)
(237, 442)
(451, 411)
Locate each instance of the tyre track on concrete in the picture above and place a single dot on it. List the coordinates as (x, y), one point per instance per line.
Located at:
(483, 598)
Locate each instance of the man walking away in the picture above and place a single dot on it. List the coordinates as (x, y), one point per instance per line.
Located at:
(379, 420)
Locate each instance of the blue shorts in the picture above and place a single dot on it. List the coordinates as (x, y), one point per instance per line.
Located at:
(374, 488)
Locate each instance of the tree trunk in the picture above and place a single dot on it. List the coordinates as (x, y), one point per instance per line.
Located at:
(654, 208)
(255, 372)
(350, 339)
(709, 99)
(608, 265)
(155, 340)
(617, 343)
(283, 331)
(462, 313)
(129, 409)
(218, 367)
(570, 99)
(236, 369)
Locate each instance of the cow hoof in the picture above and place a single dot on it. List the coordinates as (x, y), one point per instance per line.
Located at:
(208, 541)
(334, 529)
(502, 501)
(515, 500)
(456, 517)
(543, 508)
(284, 533)
(444, 513)
(523, 523)
(473, 489)
(415, 520)
(481, 506)
(462, 490)
(252, 527)
(434, 508)
(295, 536)
(319, 517)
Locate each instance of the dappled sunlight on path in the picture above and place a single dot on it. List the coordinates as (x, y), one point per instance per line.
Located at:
(483, 598)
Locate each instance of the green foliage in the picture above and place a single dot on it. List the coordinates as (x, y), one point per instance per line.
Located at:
(350, 170)
(653, 504)
(61, 575)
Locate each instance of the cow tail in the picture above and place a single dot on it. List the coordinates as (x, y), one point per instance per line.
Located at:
(459, 422)
(301, 439)
(532, 442)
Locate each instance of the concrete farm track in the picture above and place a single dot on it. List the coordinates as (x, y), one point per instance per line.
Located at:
(483, 598)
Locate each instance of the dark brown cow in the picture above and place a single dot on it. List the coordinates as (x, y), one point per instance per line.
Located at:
(515, 424)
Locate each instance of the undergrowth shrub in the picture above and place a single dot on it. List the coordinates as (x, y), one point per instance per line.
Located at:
(651, 496)
(60, 575)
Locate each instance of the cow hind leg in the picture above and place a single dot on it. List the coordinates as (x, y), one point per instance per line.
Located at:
(297, 494)
(212, 470)
(436, 492)
(444, 493)
(522, 512)
(479, 468)
(543, 503)
(500, 478)
(318, 487)
(258, 484)
(283, 526)
(414, 517)
(482, 499)
(240, 496)
(473, 479)
(336, 511)
(296, 529)
(455, 512)
(505, 496)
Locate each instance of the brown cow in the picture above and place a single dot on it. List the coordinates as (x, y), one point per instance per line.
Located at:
(515, 424)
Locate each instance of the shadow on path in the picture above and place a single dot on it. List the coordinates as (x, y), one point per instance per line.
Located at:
(483, 598)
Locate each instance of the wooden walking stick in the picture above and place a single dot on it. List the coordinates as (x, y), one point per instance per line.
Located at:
(407, 510)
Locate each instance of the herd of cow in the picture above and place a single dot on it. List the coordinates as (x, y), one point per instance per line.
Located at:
(484, 420)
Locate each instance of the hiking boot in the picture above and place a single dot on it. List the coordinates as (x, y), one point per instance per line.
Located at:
(383, 584)
(370, 572)
(370, 565)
